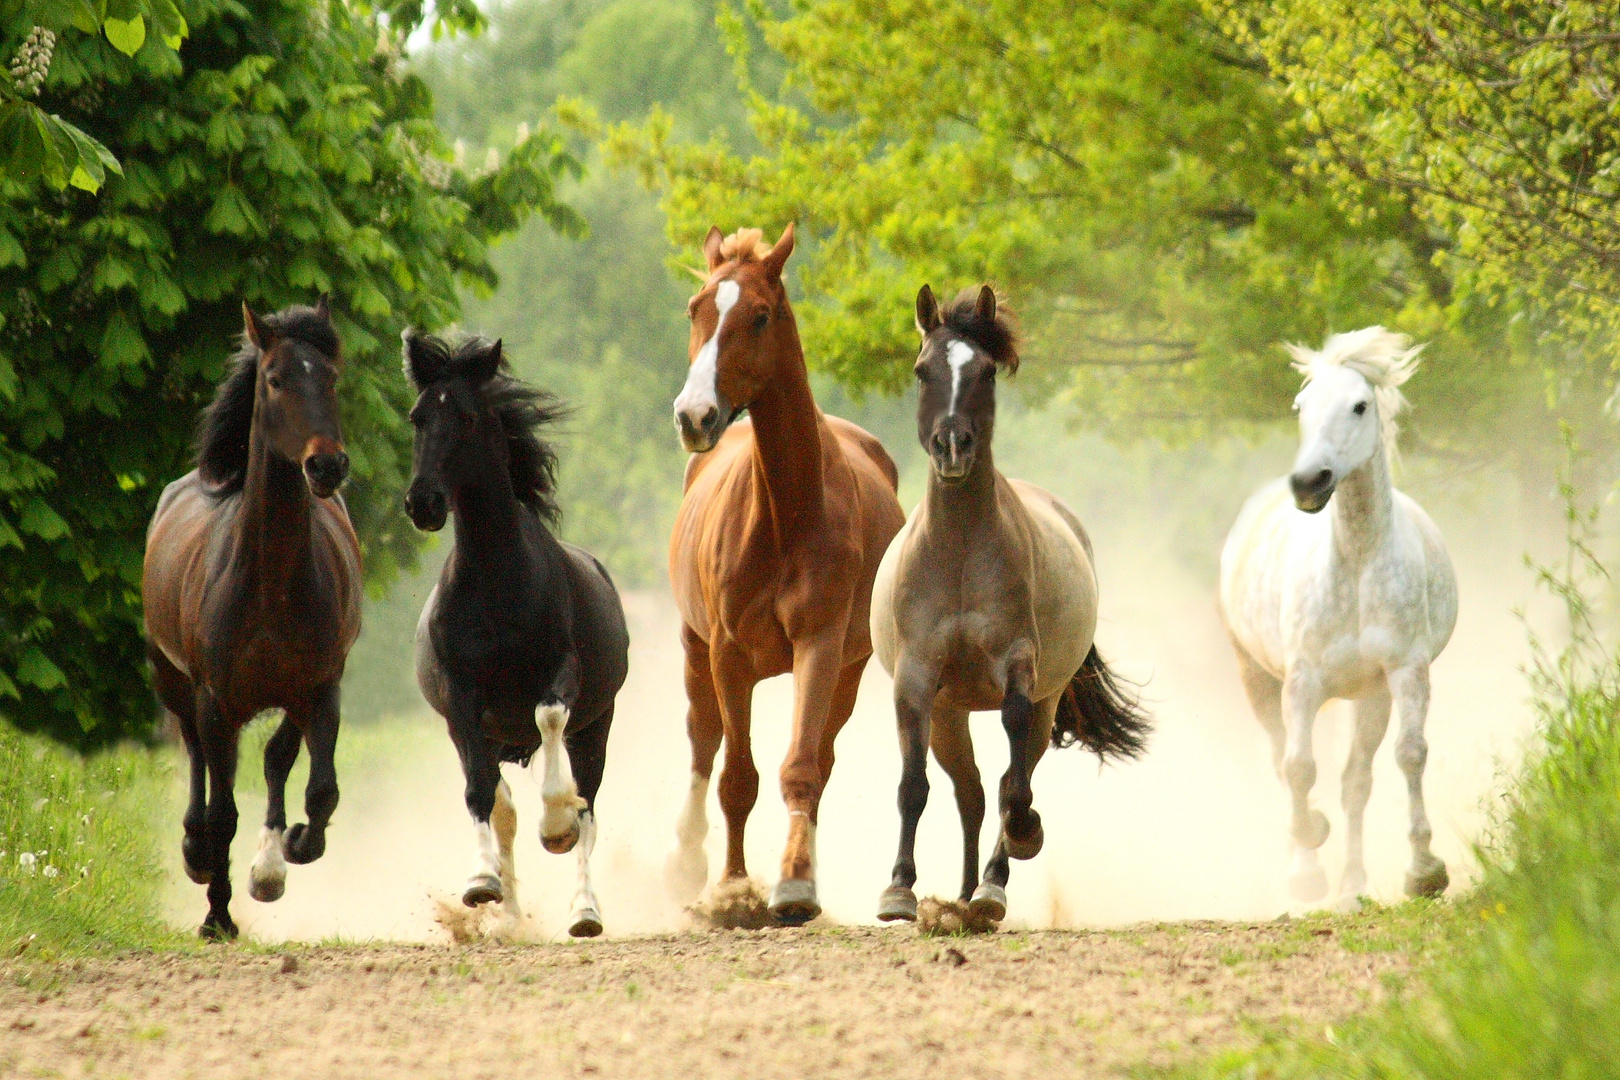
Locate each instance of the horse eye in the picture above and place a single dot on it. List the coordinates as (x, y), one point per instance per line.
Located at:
(1361, 407)
(762, 320)
(274, 381)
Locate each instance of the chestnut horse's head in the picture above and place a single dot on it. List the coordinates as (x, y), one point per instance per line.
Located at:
(962, 348)
(284, 388)
(738, 318)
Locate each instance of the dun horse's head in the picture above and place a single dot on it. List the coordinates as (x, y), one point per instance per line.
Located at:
(1348, 407)
(475, 427)
(739, 319)
(962, 348)
(295, 396)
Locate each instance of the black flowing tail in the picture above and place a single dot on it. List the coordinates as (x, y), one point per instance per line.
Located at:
(1097, 713)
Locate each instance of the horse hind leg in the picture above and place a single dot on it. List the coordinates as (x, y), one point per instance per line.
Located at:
(267, 876)
(1264, 691)
(589, 755)
(1372, 720)
(176, 694)
(687, 870)
(1309, 827)
(1410, 689)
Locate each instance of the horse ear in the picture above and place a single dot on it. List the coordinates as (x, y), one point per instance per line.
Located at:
(711, 247)
(323, 307)
(424, 365)
(778, 257)
(256, 329)
(482, 365)
(927, 311)
(985, 309)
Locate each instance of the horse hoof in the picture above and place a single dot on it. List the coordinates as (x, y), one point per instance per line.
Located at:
(562, 843)
(587, 923)
(483, 889)
(219, 928)
(201, 877)
(686, 872)
(1025, 847)
(1430, 881)
(303, 844)
(1307, 882)
(989, 902)
(189, 857)
(898, 904)
(793, 902)
(1317, 830)
(268, 888)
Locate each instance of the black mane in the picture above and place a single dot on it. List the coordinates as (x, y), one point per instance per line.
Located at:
(997, 336)
(222, 432)
(522, 410)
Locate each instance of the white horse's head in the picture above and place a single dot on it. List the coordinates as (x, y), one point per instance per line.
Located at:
(1347, 408)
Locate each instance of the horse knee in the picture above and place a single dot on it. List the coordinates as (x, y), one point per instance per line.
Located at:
(1299, 770)
(1412, 753)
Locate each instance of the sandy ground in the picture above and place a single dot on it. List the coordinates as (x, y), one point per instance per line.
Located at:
(818, 1001)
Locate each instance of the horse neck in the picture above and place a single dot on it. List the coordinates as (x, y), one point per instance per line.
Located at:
(787, 438)
(1364, 508)
(273, 527)
(489, 533)
(967, 503)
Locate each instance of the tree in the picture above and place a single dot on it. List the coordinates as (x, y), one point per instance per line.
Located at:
(283, 152)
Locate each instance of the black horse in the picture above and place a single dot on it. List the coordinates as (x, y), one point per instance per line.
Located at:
(522, 645)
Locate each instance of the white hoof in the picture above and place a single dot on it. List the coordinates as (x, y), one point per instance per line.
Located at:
(1307, 882)
(989, 902)
(585, 922)
(267, 877)
(686, 872)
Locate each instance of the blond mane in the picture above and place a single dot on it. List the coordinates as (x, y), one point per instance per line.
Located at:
(745, 245)
(1382, 357)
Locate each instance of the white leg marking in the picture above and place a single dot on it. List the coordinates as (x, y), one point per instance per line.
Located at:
(488, 861)
(687, 870)
(586, 919)
(267, 877)
(557, 787)
(701, 392)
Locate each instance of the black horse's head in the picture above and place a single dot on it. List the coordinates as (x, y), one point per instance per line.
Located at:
(475, 428)
(962, 349)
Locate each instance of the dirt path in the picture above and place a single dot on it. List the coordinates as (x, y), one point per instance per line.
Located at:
(822, 1002)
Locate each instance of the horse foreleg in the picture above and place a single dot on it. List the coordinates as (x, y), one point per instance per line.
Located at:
(559, 823)
(588, 748)
(1265, 697)
(1372, 720)
(953, 749)
(817, 667)
(916, 685)
(306, 843)
(194, 844)
(734, 681)
(483, 776)
(1410, 689)
(1302, 699)
(1021, 830)
(217, 736)
(267, 876)
(503, 819)
(687, 869)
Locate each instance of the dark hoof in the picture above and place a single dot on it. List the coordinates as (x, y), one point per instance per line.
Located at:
(482, 890)
(587, 923)
(304, 845)
(1027, 845)
(897, 904)
(989, 903)
(1430, 881)
(563, 844)
(793, 902)
(218, 928)
(191, 856)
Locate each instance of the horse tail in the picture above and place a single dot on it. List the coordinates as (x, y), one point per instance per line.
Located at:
(1097, 712)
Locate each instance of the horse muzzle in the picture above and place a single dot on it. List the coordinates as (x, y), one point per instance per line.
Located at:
(951, 452)
(427, 509)
(1313, 488)
(325, 472)
(700, 426)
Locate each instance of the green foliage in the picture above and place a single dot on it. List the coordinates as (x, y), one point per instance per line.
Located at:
(79, 869)
(290, 155)
(1497, 118)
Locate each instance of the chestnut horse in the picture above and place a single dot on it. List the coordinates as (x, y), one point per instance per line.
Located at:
(252, 597)
(778, 538)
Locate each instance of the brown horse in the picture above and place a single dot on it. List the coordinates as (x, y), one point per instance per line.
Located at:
(252, 596)
(778, 538)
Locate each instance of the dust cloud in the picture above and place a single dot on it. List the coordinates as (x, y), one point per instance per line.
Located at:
(1196, 829)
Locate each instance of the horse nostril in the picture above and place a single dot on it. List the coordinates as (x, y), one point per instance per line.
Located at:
(964, 441)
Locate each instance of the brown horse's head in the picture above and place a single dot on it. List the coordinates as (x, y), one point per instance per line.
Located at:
(284, 387)
(962, 347)
(475, 426)
(739, 319)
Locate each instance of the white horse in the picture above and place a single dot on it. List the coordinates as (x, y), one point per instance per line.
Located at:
(1355, 603)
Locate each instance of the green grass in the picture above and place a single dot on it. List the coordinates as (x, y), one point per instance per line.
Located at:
(79, 866)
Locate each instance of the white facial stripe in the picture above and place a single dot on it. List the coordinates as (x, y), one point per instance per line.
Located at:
(957, 353)
(701, 391)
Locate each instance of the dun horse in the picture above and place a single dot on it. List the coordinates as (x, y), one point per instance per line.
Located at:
(778, 537)
(252, 597)
(522, 645)
(986, 600)
(1355, 603)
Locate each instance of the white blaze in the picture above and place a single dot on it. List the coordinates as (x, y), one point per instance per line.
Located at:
(957, 353)
(700, 392)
